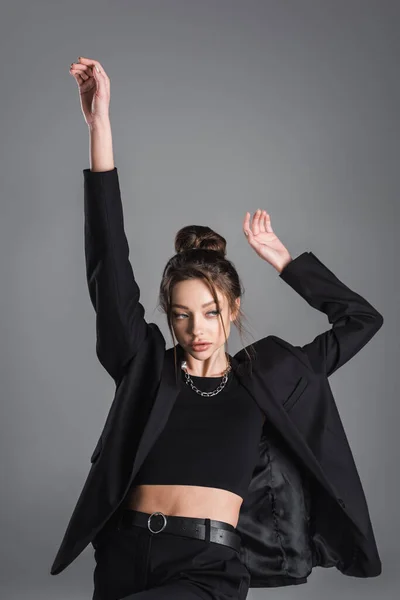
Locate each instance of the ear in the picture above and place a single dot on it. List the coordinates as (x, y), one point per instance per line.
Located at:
(235, 312)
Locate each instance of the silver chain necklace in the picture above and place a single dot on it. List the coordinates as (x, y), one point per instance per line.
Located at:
(217, 390)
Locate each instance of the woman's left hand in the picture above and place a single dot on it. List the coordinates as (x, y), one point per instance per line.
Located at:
(264, 241)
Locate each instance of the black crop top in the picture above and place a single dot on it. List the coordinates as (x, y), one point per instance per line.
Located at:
(207, 441)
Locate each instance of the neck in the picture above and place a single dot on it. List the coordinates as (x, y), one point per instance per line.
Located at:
(214, 366)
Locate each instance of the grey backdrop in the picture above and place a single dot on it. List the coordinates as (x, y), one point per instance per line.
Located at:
(217, 107)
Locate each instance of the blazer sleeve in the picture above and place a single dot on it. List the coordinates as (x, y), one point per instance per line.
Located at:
(120, 324)
(354, 321)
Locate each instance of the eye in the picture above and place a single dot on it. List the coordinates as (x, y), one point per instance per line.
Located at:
(178, 315)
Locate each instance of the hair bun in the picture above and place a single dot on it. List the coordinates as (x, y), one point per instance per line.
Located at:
(193, 237)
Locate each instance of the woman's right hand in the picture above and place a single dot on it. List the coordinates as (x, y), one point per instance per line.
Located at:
(94, 89)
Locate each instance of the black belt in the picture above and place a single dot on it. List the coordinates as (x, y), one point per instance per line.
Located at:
(218, 532)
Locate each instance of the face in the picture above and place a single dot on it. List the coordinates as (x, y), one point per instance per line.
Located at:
(197, 319)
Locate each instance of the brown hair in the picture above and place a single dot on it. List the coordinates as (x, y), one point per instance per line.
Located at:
(200, 254)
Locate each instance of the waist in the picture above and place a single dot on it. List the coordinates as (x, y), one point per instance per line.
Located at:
(186, 501)
(209, 530)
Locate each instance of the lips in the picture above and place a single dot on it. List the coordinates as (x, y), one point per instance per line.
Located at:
(200, 346)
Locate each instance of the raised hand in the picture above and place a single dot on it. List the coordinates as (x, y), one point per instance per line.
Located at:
(94, 89)
(264, 241)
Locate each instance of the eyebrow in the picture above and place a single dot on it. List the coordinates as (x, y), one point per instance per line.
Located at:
(187, 308)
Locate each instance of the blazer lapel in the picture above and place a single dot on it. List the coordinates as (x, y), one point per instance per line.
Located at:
(162, 406)
(257, 386)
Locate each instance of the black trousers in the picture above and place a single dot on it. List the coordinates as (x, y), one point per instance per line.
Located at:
(136, 564)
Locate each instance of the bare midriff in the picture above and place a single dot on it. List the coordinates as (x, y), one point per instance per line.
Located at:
(186, 501)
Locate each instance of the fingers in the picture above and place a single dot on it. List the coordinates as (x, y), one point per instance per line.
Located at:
(264, 222)
(86, 68)
(258, 222)
(81, 71)
(261, 223)
(267, 221)
(255, 226)
(246, 224)
(94, 64)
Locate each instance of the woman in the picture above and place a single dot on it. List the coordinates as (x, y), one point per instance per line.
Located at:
(176, 533)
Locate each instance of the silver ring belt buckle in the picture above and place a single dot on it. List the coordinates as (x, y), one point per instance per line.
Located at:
(149, 520)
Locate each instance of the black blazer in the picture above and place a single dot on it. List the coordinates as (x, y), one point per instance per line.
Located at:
(305, 506)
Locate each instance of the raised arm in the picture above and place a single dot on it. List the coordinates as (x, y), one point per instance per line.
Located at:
(120, 324)
(354, 321)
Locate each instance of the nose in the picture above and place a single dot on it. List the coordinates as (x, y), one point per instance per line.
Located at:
(196, 332)
(195, 327)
